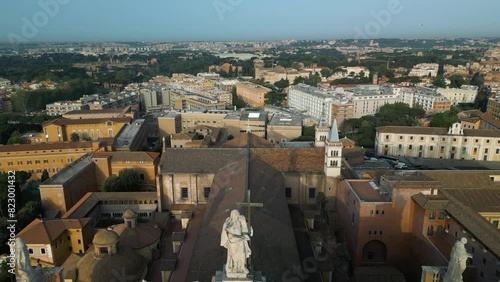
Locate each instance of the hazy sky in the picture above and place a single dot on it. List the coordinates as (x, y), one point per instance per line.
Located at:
(171, 20)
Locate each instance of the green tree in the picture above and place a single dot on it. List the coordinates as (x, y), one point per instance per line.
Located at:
(439, 82)
(237, 101)
(45, 175)
(5, 276)
(326, 72)
(15, 138)
(28, 213)
(456, 81)
(309, 131)
(445, 119)
(274, 98)
(111, 184)
(129, 180)
(74, 137)
(477, 79)
(282, 83)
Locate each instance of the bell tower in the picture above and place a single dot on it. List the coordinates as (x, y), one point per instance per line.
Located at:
(321, 130)
(333, 153)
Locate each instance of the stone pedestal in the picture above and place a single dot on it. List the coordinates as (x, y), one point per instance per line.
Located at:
(253, 276)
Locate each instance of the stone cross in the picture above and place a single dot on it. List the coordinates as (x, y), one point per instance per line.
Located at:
(249, 206)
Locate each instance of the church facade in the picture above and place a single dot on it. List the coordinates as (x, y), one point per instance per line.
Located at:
(186, 176)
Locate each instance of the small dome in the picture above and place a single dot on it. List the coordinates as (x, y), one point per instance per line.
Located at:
(127, 264)
(105, 238)
(129, 214)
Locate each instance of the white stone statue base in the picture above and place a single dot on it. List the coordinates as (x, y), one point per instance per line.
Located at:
(253, 276)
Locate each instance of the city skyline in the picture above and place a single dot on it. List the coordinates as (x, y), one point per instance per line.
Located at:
(239, 20)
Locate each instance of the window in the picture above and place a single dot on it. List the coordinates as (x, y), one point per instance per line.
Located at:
(382, 212)
(400, 147)
(369, 233)
(9, 163)
(439, 230)
(371, 212)
(374, 232)
(45, 161)
(184, 192)
(141, 176)
(42, 251)
(495, 223)
(79, 241)
(431, 148)
(432, 215)
(110, 132)
(19, 162)
(410, 147)
(288, 192)
(370, 255)
(206, 192)
(312, 193)
(430, 230)
(103, 250)
(37, 161)
(481, 274)
(441, 216)
(484, 261)
(380, 232)
(421, 148)
(377, 211)
(30, 250)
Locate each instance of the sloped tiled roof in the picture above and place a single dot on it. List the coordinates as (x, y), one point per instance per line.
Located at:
(125, 156)
(66, 121)
(46, 231)
(248, 139)
(292, 160)
(46, 146)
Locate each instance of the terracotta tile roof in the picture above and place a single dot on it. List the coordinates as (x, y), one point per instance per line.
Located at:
(65, 121)
(481, 200)
(309, 160)
(46, 146)
(244, 139)
(435, 131)
(477, 225)
(125, 156)
(46, 231)
(91, 199)
(200, 160)
(429, 203)
(463, 178)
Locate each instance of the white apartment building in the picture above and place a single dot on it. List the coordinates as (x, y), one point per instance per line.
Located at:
(350, 72)
(465, 94)
(438, 143)
(425, 70)
(62, 107)
(369, 99)
(312, 101)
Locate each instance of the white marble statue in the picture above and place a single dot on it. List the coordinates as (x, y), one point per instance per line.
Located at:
(458, 262)
(26, 273)
(235, 237)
